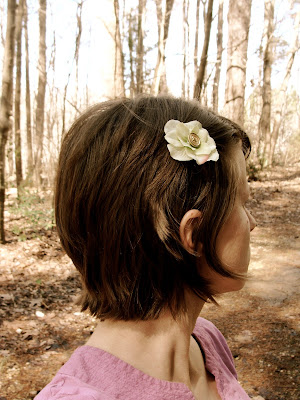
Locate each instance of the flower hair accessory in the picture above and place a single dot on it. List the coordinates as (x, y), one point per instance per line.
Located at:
(189, 141)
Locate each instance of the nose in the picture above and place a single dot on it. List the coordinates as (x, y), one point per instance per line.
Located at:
(252, 221)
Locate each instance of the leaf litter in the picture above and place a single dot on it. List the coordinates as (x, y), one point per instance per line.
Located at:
(40, 326)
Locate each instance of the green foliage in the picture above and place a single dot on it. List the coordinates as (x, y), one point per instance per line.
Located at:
(253, 171)
(33, 213)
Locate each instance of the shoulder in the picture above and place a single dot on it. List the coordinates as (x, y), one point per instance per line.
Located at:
(207, 329)
(74, 381)
(214, 344)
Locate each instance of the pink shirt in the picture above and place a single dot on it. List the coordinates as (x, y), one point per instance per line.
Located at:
(94, 374)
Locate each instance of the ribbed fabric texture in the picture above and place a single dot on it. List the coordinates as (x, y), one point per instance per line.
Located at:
(94, 374)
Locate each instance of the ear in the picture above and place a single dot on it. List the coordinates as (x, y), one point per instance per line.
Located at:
(186, 230)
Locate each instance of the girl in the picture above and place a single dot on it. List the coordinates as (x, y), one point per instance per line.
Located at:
(150, 206)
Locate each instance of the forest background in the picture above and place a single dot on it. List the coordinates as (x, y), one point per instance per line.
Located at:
(237, 57)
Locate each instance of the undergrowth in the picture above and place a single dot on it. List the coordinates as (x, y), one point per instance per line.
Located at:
(31, 213)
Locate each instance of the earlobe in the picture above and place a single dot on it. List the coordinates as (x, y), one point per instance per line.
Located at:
(186, 230)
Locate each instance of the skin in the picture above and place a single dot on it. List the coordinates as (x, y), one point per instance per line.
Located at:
(164, 348)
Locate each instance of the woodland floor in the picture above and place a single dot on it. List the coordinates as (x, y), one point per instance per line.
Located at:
(40, 326)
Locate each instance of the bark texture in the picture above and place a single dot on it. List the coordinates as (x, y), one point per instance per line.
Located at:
(131, 58)
(238, 30)
(40, 98)
(219, 57)
(28, 100)
(5, 105)
(265, 117)
(140, 47)
(203, 60)
(18, 147)
(119, 59)
(77, 46)
(196, 40)
(159, 83)
(283, 89)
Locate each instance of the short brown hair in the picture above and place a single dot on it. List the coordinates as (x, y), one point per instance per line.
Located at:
(120, 198)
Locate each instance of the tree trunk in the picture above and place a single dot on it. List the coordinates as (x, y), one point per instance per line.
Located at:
(196, 40)
(188, 83)
(5, 105)
(219, 57)
(283, 89)
(130, 47)
(159, 83)
(238, 29)
(140, 47)
(76, 59)
(18, 147)
(77, 46)
(265, 117)
(185, 25)
(202, 67)
(119, 58)
(28, 100)
(40, 98)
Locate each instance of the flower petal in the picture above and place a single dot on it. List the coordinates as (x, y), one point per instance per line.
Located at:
(214, 156)
(193, 126)
(202, 159)
(211, 141)
(174, 141)
(203, 134)
(175, 132)
(171, 125)
(179, 154)
(205, 149)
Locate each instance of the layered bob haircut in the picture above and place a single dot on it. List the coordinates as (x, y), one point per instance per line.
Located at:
(120, 198)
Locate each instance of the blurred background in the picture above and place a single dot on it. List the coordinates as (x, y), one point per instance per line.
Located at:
(237, 57)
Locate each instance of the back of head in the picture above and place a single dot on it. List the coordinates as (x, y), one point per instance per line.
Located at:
(120, 198)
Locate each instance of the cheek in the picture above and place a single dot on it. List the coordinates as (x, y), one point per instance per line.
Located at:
(233, 241)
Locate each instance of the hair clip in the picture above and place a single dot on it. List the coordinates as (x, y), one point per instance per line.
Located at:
(189, 141)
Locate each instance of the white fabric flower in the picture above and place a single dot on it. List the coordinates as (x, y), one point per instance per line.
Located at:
(189, 141)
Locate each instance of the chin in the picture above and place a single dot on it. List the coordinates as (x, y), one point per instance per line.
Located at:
(226, 285)
(238, 285)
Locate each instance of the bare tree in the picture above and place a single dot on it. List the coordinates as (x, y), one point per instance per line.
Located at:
(140, 47)
(40, 98)
(18, 147)
(76, 59)
(159, 83)
(283, 90)
(268, 40)
(28, 99)
(77, 46)
(185, 49)
(238, 30)
(131, 58)
(119, 58)
(5, 105)
(184, 46)
(203, 60)
(219, 57)
(196, 40)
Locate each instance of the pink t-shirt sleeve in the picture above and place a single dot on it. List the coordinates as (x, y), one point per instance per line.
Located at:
(219, 360)
(64, 387)
(215, 344)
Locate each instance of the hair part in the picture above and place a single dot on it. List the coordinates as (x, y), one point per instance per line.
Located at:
(120, 198)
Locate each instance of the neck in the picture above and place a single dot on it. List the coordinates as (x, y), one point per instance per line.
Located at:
(162, 348)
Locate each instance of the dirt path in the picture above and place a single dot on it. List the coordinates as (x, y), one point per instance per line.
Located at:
(40, 327)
